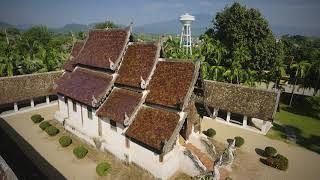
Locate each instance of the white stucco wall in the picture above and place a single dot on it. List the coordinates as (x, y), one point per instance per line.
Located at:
(62, 113)
(90, 126)
(75, 118)
(113, 141)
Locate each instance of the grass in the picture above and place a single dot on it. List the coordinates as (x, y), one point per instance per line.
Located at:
(307, 129)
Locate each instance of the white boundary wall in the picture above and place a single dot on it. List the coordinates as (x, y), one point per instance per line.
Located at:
(114, 141)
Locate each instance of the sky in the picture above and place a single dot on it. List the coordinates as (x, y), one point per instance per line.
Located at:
(56, 13)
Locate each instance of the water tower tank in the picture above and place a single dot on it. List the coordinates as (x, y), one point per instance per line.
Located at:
(185, 39)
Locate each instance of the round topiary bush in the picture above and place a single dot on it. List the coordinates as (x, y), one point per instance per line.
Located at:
(270, 151)
(43, 125)
(80, 152)
(65, 141)
(279, 161)
(52, 131)
(210, 132)
(239, 141)
(37, 118)
(103, 168)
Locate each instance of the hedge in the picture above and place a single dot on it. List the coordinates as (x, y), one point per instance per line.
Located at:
(65, 141)
(80, 152)
(37, 118)
(279, 161)
(43, 125)
(239, 141)
(103, 168)
(52, 131)
(210, 132)
(269, 151)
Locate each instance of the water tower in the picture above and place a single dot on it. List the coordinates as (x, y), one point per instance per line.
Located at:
(185, 39)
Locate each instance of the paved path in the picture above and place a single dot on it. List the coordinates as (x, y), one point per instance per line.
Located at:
(303, 164)
(62, 159)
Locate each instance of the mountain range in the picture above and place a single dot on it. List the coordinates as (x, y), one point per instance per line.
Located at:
(202, 22)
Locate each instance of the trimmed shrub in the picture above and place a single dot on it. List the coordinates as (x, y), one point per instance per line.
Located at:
(65, 141)
(80, 152)
(269, 151)
(52, 131)
(279, 161)
(103, 168)
(210, 132)
(43, 125)
(239, 141)
(37, 118)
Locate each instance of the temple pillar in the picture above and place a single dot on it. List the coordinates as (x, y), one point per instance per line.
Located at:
(215, 112)
(32, 103)
(264, 126)
(47, 100)
(15, 105)
(245, 121)
(228, 116)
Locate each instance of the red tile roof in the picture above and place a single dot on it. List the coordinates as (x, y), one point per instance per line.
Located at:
(84, 84)
(170, 83)
(102, 46)
(70, 65)
(138, 62)
(153, 127)
(119, 102)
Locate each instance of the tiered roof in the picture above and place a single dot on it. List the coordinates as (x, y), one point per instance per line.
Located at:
(170, 83)
(104, 48)
(84, 85)
(119, 104)
(170, 87)
(138, 62)
(153, 127)
(70, 65)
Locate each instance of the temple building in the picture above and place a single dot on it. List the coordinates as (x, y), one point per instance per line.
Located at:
(121, 97)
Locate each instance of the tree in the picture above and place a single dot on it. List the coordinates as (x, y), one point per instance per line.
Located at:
(239, 27)
(301, 69)
(106, 25)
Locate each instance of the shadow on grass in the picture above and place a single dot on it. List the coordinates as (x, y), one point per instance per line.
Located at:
(312, 142)
(22, 158)
(260, 152)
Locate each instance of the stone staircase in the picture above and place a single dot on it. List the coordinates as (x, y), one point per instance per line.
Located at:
(208, 163)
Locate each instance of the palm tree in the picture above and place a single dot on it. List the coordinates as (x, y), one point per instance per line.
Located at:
(277, 72)
(315, 68)
(250, 77)
(301, 69)
(8, 57)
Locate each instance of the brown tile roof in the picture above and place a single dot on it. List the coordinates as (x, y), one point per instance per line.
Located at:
(102, 46)
(18, 88)
(248, 101)
(152, 127)
(170, 83)
(70, 65)
(119, 102)
(138, 62)
(82, 84)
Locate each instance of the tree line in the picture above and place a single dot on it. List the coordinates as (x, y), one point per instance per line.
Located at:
(37, 49)
(240, 48)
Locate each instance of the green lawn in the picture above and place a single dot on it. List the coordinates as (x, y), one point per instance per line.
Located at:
(307, 129)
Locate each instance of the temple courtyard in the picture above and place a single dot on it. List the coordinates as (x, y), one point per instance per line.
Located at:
(303, 164)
